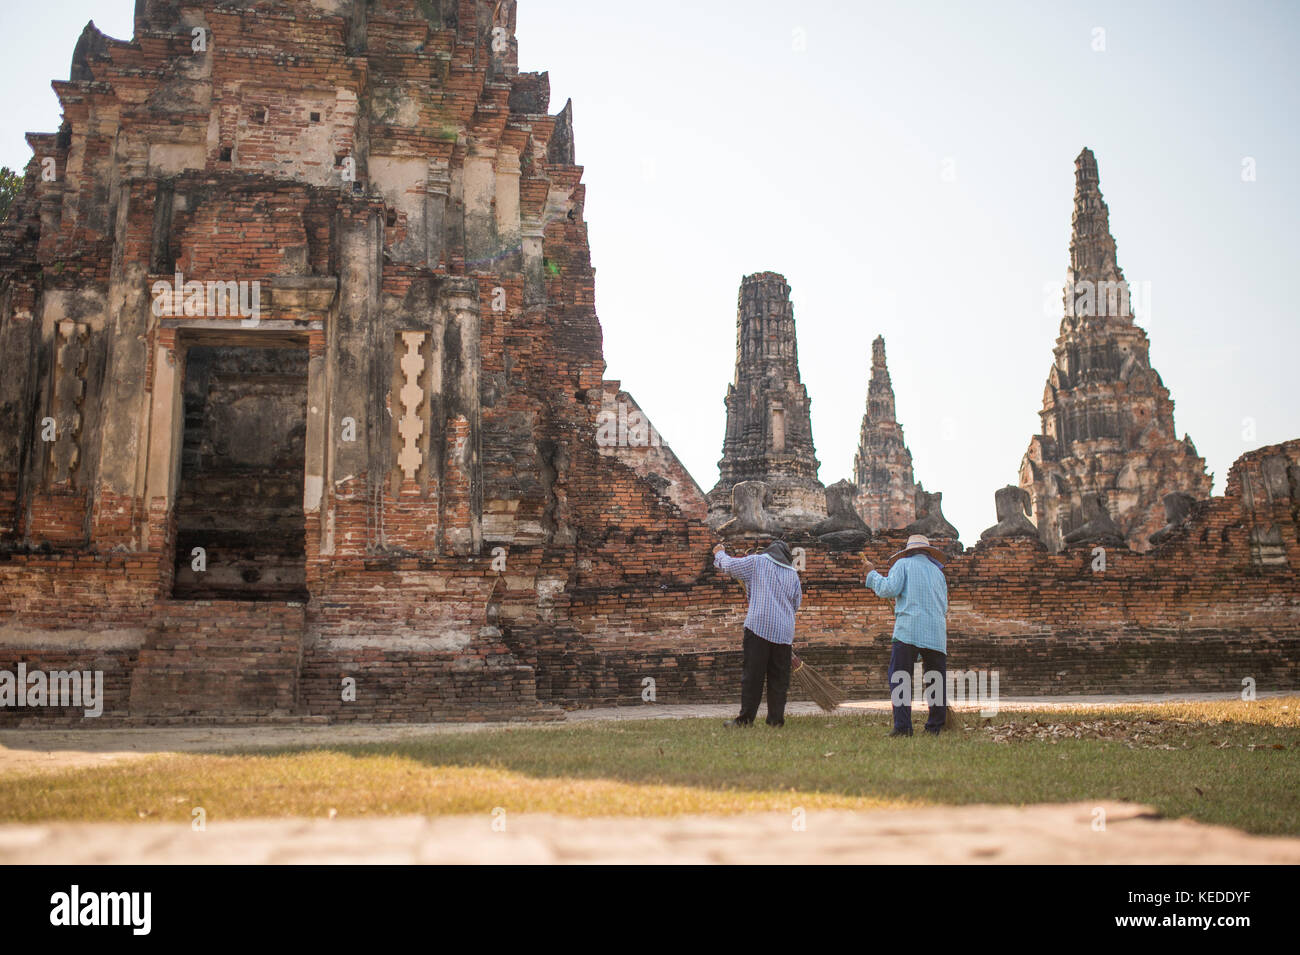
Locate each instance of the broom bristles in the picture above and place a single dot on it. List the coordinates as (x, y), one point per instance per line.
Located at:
(952, 719)
(824, 693)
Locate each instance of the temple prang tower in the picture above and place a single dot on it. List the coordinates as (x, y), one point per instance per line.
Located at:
(882, 467)
(769, 429)
(1107, 418)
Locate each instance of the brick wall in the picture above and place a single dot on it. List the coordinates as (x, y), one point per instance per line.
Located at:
(455, 638)
(1202, 611)
(58, 516)
(401, 686)
(227, 658)
(116, 665)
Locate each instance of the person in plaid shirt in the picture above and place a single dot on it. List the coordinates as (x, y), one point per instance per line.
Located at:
(774, 596)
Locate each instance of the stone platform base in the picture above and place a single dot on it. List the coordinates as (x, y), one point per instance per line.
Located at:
(1041, 834)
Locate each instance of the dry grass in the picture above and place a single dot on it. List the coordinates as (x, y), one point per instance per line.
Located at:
(1232, 763)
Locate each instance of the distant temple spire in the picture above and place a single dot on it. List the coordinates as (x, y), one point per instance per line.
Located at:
(1107, 418)
(1092, 247)
(882, 468)
(880, 392)
(769, 428)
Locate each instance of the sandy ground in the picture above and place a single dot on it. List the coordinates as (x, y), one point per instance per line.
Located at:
(1062, 833)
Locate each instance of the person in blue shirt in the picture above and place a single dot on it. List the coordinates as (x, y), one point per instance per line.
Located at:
(774, 596)
(920, 593)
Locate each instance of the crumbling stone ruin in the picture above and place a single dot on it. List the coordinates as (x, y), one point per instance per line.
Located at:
(844, 528)
(1107, 418)
(1098, 526)
(625, 432)
(769, 429)
(1012, 504)
(930, 520)
(887, 495)
(305, 418)
(750, 515)
(1178, 507)
(298, 315)
(1268, 492)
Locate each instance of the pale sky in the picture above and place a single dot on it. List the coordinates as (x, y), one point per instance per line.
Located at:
(811, 139)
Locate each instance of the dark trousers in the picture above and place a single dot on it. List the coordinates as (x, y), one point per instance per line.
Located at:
(770, 661)
(902, 659)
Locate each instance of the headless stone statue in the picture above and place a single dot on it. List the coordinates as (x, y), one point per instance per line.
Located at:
(844, 528)
(1012, 505)
(1098, 526)
(929, 517)
(1178, 505)
(1276, 481)
(748, 515)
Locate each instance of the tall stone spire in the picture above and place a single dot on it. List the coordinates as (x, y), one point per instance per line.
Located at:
(1092, 247)
(769, 430)
(1107, 418)
(882, 468)
(880, 392)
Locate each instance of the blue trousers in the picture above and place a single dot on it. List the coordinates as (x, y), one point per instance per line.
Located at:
(901, 660)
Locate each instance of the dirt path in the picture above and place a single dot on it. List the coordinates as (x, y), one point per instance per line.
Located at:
(28, 751)
(1062, 833)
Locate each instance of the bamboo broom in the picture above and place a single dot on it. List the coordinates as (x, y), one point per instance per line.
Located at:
(825, 693)
(951, 719)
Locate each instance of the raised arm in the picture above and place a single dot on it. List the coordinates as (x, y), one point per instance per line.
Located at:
(742, 568)
(887, 587)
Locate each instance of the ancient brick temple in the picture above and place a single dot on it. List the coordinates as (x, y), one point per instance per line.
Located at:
(769, 428)
(882, 467)
(305, 417)
(302, 366)
(1108, 439)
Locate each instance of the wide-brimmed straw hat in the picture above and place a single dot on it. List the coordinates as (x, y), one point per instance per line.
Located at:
(919, 544)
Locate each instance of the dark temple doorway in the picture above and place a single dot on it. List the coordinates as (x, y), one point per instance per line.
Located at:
(242, 465)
